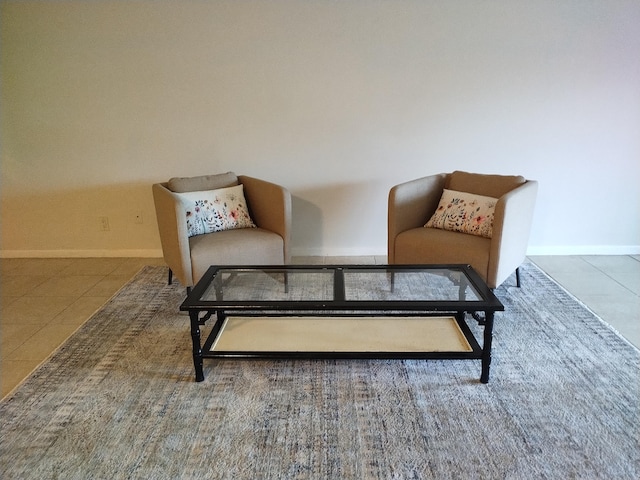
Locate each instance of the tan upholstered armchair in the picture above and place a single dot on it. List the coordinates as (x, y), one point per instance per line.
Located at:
(413, 203)
(189, 257)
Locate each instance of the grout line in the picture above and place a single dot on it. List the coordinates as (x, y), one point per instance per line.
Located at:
(604, 272)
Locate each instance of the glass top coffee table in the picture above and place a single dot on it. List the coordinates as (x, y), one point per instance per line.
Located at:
(342, 311)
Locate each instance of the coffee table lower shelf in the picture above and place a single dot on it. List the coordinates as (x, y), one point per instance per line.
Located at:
(295, 336)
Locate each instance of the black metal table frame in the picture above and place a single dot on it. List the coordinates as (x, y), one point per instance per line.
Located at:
(488, 305)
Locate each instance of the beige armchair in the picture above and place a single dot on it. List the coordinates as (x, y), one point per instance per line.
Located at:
(412, 204)
(189, 257)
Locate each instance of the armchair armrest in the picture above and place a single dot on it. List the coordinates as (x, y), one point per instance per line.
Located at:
(270, 207)
(411, 204)
(173, 233)
(512, 226)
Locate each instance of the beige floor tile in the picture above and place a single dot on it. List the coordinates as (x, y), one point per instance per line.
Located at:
(130, 268)
(18, 285)
(36, 266)
(31, 352)
(567, 264)
(630, 281)
(14, 372)
(622, 313)
(596, 283)
(9, 265)
(93, 266)
(15, 335)
(42, 343)
(5, 301)
(307, 260)
(613, 263)
(107, 286)
(79, 311)
(38, 310)
(352, 260)
(68, 285)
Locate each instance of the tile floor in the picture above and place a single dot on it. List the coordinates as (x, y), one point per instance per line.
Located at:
(608, 284)
(43, 301)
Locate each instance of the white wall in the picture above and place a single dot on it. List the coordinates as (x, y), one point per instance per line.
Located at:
(338, 101)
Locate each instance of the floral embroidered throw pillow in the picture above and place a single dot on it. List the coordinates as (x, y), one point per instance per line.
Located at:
(465, 213)
(216, 210)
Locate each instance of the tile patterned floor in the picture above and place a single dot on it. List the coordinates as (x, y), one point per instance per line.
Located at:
(43, 301)
(608, 285)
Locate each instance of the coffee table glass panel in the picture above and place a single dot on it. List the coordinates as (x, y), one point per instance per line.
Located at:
(370, 302)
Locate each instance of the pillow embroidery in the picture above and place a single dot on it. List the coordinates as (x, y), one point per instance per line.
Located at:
(464, 212)
(216, 210)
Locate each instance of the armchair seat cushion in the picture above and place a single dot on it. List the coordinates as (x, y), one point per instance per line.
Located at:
(255, 246)
(426, 245)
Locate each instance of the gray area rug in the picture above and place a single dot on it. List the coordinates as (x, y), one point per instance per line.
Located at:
(118, 401)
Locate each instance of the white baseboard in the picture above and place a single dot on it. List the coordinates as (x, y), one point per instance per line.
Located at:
(143, 253)
(319, 251)
(533, 250)
(337, 252)
(585, 250)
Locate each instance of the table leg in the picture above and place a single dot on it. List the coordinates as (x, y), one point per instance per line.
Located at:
(486, 347)
(197, 349)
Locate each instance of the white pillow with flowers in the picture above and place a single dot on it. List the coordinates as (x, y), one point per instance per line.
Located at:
(216, 210)
(464, 212)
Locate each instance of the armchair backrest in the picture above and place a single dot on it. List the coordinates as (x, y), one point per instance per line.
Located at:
(481, 184)
(202, 183)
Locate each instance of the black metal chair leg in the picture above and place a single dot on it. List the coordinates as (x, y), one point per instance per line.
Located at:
(170, 276)
(518, 284)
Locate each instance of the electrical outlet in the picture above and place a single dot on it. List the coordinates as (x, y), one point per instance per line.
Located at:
(104, 224)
